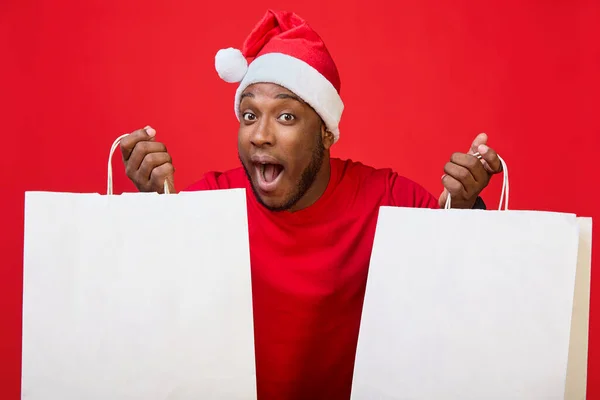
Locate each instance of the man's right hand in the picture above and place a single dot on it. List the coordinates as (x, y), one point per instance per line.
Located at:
(147, 162)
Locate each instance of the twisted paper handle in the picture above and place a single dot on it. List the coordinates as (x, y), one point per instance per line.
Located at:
(505, 188)
(109, 183)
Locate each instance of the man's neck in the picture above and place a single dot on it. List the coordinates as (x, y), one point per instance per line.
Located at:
(318, 187)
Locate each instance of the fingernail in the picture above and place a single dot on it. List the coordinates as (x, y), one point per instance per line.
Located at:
(482, 149)
(443, 176)
(150, 131)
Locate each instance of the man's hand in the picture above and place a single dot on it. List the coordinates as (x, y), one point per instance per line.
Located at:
(465, 176)
(147, 162)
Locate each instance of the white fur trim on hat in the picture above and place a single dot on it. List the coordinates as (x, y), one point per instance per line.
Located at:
(300, 78)
(231, 65)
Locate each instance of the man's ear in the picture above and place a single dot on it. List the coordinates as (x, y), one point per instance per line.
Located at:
(326, 136)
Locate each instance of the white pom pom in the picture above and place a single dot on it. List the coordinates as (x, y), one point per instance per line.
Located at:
(231, 65)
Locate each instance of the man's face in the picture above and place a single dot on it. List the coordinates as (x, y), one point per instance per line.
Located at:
(282, 144)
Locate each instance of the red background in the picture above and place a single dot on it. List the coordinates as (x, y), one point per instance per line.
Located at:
(419, 79)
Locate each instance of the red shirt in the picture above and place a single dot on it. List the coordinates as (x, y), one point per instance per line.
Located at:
(309, 273)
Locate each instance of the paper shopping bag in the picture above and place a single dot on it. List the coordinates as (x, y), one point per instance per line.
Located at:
(471, 304)
(137, 296)
(465, 304)
(578, 346)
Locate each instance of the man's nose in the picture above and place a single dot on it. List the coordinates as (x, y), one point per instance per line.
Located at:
(263, 134)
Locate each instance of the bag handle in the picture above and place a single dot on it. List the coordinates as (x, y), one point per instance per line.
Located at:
(503, 193)
(505, 186)
(109, 182)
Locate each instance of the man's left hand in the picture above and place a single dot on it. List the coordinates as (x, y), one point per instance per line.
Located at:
(465, 176)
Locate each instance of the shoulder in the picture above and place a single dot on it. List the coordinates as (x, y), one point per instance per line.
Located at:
(392, 188)
(356, 171)
(215, 180)
(405, 192)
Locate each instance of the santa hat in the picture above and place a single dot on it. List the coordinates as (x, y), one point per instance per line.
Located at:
(284, 50)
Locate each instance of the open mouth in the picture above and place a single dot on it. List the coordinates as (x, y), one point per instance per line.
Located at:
(268, 175)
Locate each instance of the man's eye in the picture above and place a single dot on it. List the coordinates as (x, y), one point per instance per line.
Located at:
(287, 117)
(249, 116)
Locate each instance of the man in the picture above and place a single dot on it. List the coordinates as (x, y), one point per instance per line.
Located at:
(311, 217)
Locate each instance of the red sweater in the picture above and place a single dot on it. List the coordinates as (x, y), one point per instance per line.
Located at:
(309, 273)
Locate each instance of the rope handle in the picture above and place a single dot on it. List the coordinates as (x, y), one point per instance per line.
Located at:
(109, 182)
(505, 187)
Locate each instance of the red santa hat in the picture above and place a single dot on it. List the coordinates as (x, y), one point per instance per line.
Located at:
(284, 50)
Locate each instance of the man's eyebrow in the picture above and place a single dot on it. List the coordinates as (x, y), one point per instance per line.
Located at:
(279, 96)
(289, 96)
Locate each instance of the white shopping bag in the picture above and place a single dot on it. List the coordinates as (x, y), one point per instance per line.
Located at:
(578, 347)
(472, 304)
(137, 296)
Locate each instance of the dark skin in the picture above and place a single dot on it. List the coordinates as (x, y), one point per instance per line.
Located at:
(147, 162)
(465, 176)
(276, 125)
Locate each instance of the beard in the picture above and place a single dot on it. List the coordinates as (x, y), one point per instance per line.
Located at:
(306, 180)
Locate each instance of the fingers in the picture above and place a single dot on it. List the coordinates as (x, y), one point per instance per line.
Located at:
(159, 175)
(454, 188)
(153, 161)
(466, 168)
(155, 164)
(482, 138)
(464, 178)
(140, 152)
(147, 162)
(460, 197)
(492, 162)
(129, 142)
(460, 174)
